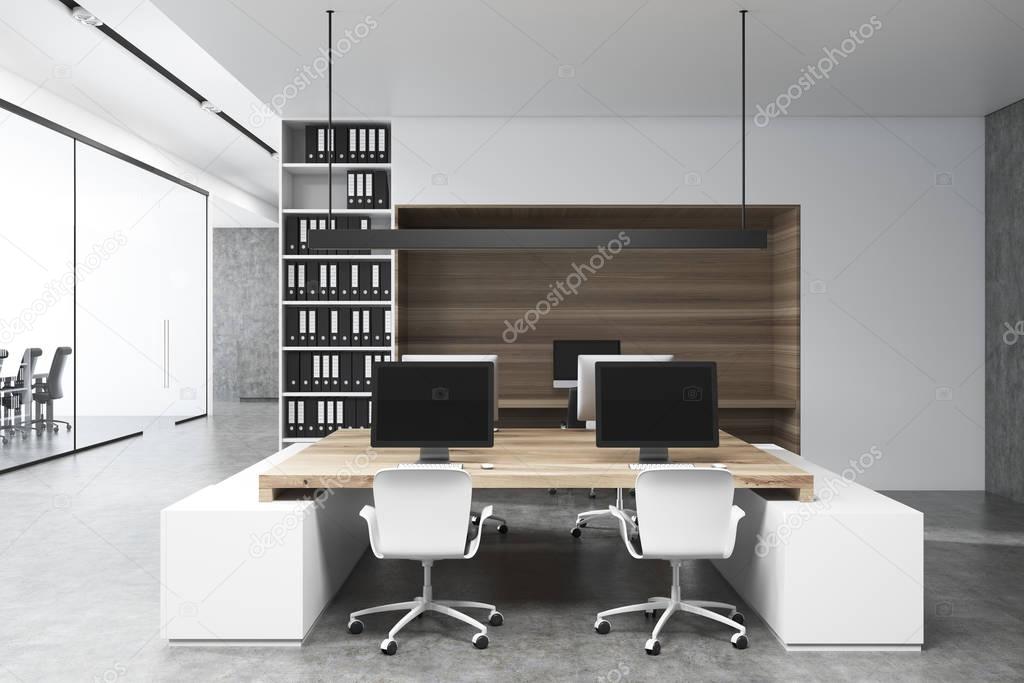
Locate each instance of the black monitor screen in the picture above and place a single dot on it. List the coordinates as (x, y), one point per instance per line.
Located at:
(433, 404)
(673, 404)
(566, 353)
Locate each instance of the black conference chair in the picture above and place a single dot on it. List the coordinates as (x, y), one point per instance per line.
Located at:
(13, 392)
(47, 389)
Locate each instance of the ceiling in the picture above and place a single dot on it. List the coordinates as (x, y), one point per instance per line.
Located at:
(42, 44)
(616, 57)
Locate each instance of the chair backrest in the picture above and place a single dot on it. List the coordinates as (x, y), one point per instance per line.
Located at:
(685, 513)
(458, 358)
(586, 381)
(422, 513)
(53, 379)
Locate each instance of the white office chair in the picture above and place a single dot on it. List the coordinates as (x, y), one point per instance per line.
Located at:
(586, 410)
(420, 514)
(687, 515)
(499, 522)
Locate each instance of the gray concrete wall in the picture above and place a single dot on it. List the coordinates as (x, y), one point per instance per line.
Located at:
(1004, 302)
(245, 318)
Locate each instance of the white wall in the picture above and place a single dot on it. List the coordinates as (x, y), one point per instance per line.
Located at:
(893, 264)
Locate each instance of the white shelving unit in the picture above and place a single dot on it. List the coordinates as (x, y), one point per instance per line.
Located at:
(303, 189)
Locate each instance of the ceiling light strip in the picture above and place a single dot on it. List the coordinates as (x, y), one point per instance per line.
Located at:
(160, 69)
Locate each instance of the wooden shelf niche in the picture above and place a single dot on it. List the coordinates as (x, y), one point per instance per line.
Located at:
(738, 307)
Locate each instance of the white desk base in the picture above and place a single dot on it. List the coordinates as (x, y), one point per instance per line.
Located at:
(845, 572)
(235, 571)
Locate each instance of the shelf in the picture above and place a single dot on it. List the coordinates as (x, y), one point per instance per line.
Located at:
(336, 348)
(321, 169)
(367, 212)
(336, 257)
(302, 440)
(336, 303)
(314, 394)
(725, 403)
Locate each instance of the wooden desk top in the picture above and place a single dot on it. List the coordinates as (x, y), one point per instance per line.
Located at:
(524, 458)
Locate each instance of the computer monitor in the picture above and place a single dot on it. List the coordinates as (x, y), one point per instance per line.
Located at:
(459, 358)
(565, 353)
(657, 406)
(433, 407)
(586, 406)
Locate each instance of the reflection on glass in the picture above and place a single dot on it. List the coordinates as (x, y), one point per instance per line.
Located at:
(142, 309)
(37, 273)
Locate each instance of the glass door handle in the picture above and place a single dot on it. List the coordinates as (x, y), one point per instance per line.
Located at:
(167, 354)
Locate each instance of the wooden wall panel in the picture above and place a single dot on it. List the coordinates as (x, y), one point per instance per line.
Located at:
(737, 307)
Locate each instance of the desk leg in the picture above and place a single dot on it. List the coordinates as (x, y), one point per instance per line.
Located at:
(268, 495)
(805, 495)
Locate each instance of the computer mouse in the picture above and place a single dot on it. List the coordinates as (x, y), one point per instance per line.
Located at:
(486, 466)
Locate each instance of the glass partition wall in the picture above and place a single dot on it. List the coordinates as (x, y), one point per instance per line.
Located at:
(103, 265)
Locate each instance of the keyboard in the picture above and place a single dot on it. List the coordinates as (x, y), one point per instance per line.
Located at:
(644, 466)
(430, 465)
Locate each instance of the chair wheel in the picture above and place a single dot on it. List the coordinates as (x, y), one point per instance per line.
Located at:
(496, 618)
(737, 617)
(592, 494)
(575, 531)
(652, 647)
(389, 646)
(552, 491)
(474, 520)
(69, 428)
(739, 641)
(480, 641)
(602, 626)
(502, 528)
(56, 428)
(355, 627)
(582, 525)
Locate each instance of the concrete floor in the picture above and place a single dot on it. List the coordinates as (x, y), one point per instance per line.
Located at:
(79, 599)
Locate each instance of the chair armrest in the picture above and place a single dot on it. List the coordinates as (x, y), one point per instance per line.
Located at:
(370, 515)
(735, 516)
(474, 545)
(624, 530)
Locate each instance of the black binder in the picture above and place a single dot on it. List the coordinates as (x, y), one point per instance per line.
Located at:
(377, 326)
(365, 282)
(364, 327)
(356, 371)
(362, 413)
(311, 144)
(384, 144)
(323, 274)
(316, 373)
(323, 326)
(332, 280)
(289, 281)
(355, 331)
(305, 370)
(375, 273)
(381, 191)
(345, 371)
(350, 192)
(300, 281)
(352, 279)
(388, 323)
(340, 144)
(291, 235)
(291, 326)
(293, 372)
(385, 281)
